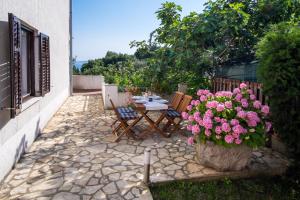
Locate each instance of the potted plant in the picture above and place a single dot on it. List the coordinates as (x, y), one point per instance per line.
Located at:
(226, 126)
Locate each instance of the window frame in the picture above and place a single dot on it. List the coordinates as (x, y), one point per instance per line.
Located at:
(31, 58)
(15, 28)
(30, 64)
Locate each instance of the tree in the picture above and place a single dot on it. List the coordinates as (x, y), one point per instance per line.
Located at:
(279, 56)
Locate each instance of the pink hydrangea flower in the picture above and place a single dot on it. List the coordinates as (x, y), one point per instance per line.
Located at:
(199, 92)
(228, 94)
(202, 92)
(238, 109)
(197, 118)
(207, 123)
(244, 103)
(238, 97)
(226, 127)
(229, 139)
(203, 98)
(190, 141)
(217, 119)
(223, 94)
(197, 102)
(228, 104)
(252, 116)
(191, 118)
(185, 115)
(243, 85)
(205, 92)
(223, 120)
(234, 122)
(242, 114)
(209, 113)
(252, 123)
(256, 104)
(189, 127)
(209, 95)
(193, 102)
(196, 114)
(189, 107)
(268, 126)
(211, 104)
(252, 97)
(250, 91)
(218, 129)
(220, 107)
(207, 132)
(200, 122)
(237, 141)
(235, 135)
(236, 91)
(265, 109)
(238, 129)
(195, 129)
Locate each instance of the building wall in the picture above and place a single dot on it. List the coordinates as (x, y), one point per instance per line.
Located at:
(52, 18)
(88, 82)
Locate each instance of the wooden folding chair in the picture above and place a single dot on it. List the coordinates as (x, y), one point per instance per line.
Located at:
(173, 105)
(172, 115)
(123, 118)
(176, 100)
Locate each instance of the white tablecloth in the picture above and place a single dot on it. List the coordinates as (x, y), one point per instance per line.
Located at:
(155, 106)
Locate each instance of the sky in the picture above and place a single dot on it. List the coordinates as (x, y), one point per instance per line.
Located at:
(110, 25)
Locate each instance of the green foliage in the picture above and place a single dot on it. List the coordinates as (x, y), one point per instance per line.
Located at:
(279, 55)
(75, 70)
(188, 49)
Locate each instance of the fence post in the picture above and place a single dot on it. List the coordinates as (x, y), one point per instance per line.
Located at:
(147, 166)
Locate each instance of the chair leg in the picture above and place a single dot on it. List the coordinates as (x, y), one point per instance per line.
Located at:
(168, 124)
(116, 129)
(177, 125)
(128, 129)
(114, 123)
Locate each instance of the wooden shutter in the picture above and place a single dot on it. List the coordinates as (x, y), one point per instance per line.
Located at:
(45, 64)
(15, 62)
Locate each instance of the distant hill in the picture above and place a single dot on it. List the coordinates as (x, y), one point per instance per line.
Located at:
(78, 64)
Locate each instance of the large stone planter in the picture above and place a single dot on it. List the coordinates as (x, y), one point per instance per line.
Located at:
(221, 158)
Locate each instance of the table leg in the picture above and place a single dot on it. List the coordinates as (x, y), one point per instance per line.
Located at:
(153, 125)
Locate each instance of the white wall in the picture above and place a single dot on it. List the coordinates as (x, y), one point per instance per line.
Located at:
(52, 18)
(87, 82)
(119, 98)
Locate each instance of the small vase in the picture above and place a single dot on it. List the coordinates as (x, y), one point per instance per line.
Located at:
(223, 158)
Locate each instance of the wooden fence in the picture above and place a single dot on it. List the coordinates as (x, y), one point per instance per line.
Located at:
(220, 84)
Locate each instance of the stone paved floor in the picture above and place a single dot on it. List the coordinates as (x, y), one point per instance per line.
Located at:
(73, 158)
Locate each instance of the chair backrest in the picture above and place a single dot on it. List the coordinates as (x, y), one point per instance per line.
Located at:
(184, 103)
(114, 107)
(176, 99)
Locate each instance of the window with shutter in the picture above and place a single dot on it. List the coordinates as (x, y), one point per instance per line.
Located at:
(45, 64)
(22, 62)
(15, 61)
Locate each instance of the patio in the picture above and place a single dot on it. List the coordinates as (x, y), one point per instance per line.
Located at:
(74, 158)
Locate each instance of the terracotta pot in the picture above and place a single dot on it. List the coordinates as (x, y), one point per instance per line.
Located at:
(223, 158)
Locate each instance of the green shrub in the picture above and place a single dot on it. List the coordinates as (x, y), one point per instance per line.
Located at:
(279, 71)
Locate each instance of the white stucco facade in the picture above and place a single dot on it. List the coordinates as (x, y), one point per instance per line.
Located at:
(51, 17)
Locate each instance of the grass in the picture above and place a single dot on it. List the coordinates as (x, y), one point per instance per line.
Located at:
(264, 188)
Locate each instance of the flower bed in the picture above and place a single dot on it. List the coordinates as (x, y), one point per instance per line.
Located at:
(228, 118)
